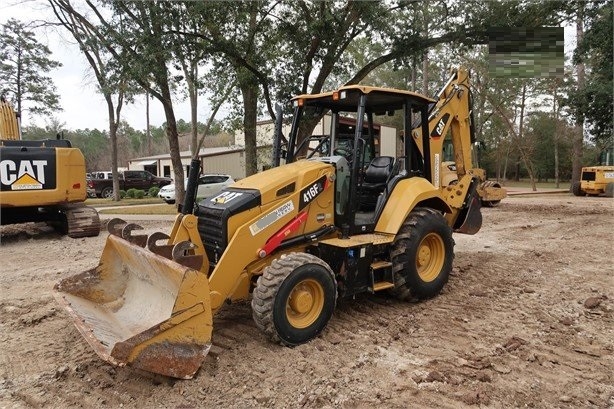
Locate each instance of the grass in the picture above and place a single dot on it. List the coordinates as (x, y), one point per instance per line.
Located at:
(123, 202)
(526, 184)
(146, 209)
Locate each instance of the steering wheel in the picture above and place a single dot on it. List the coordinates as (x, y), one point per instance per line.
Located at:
(345, 152)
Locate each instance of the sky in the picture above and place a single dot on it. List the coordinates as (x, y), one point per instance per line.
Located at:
(83, 107)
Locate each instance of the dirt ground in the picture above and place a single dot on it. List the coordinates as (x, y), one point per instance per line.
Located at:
(525, 320)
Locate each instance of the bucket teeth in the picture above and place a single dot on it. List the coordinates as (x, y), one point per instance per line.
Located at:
(181, 256)
(138, 239)
(164, 250)
(115, 226)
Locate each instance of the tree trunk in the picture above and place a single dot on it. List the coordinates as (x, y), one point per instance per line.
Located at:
(250, 107)
(193, 93)
(507, 157)
(173, 142)
(414, 75)
(556, 135)
(425, 55)
(578, 136)
(113, 125)
(113, 139)
(148, 130)
(425, 75)
(524, 155)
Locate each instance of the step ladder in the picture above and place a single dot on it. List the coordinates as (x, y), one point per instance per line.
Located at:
(381, 276)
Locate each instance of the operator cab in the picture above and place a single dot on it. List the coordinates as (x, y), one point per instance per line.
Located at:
(364, 178)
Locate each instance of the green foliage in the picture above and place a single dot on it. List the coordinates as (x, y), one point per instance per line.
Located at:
(596, 50)
(135, 193)
(543, 130)
(23, 65)
(274, 50)
(153, 191)
(123, 194)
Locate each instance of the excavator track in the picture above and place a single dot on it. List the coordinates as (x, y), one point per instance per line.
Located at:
(81, 221)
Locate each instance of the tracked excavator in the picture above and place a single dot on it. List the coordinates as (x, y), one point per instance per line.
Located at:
(292, 239)
(42, 181)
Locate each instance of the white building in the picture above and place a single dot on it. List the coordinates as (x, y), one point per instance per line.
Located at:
(226, 160)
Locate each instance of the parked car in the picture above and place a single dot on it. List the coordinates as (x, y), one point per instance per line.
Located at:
(91, 193)
(128, 179)
(107, 174)
(208, 185)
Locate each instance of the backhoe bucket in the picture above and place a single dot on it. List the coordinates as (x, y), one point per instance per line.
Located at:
(140, 309)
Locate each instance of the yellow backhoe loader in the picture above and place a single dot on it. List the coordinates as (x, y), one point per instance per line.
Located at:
(293, 239)
(42, 181)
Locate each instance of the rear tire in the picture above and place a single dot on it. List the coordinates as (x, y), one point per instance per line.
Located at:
(422, 255)
(576, 190)
(294, 298)
(107, 193)
(609, 190)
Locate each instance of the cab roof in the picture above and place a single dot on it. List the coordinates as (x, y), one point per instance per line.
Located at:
(379, 99)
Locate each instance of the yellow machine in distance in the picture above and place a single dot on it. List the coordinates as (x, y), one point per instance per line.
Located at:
(42, 181)
(293, 239)
(595, 181)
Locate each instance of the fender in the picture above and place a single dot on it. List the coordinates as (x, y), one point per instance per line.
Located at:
(406, 195)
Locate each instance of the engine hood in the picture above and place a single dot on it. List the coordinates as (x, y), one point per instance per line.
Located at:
(279, 182)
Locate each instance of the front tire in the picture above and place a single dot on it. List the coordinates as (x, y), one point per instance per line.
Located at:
(609, 190)
(577, 190)
(422, 255)
(294, 298)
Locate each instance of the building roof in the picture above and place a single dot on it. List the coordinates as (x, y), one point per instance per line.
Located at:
(204, 152)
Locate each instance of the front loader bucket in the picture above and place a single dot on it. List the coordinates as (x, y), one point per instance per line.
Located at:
(140, 309)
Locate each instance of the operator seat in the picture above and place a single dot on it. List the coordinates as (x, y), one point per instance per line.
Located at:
(374, 182)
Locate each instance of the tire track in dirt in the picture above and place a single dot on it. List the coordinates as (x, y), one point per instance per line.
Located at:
(511, 328)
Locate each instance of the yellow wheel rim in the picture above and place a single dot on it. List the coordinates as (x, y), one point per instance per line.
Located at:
(430, 257)
(305, 303)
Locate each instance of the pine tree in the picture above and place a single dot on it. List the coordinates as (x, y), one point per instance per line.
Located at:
(24, 67)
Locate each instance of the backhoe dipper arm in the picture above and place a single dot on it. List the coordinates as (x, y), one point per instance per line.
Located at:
(452, 112)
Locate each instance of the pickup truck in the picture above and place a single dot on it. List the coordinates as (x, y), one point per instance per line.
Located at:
(128, 179)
